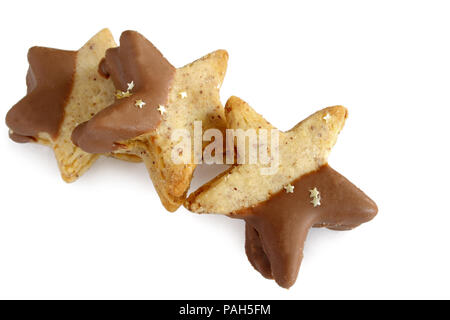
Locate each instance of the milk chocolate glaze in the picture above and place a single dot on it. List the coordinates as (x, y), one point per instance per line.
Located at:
(255, 252)
(135, 60)
(277, 228)
(102, 69)
(49, 80)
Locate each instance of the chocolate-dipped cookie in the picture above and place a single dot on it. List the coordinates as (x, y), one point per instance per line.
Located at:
(64, 89)
(280, 208)
(153, 100)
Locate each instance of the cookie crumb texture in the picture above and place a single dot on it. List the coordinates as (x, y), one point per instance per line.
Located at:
(90, 94)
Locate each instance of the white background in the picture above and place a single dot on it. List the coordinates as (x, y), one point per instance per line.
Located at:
(107, 235)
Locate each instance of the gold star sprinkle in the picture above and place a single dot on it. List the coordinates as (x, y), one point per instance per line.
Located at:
(327, 117)
(122, 94)
(183, 95)
(315, 196)
(119, 94)
(162, 109)
(140, 104)
(289, 188)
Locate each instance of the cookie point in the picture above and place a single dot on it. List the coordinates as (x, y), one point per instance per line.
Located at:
(223, 53)
(339, 111)
(231, 102)
(105, 32)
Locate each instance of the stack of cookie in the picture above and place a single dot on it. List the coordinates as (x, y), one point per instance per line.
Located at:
(129, 102)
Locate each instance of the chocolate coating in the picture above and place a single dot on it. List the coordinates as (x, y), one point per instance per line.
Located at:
(277, 228)
(135, 60)
(102, 69)
(255, 252)
(49, 85)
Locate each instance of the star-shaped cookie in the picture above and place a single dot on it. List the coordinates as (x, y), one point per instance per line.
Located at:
(279, 209)
(64, 89)
(155, 100)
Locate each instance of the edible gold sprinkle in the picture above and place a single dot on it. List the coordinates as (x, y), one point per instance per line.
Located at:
(123, 94)
(119, 94)
(289, 188)
(315, 196)
(139, 103)
(183, 94)
(162, 109)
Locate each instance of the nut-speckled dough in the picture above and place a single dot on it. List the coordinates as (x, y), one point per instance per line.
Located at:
(302, 149)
